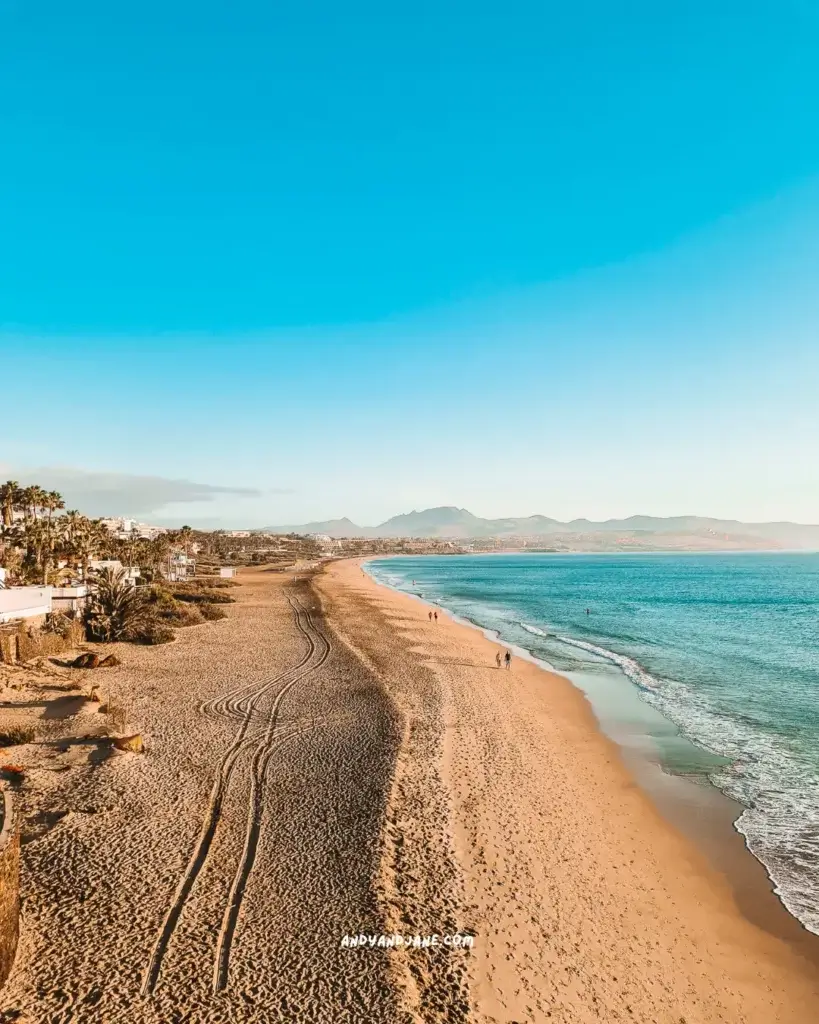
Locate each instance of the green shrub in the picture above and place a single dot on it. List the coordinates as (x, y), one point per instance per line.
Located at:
(164, 607)
(211, 612)
(202, 597)
(151, 631)
(59, 623)
(187, 615)
(116, 608)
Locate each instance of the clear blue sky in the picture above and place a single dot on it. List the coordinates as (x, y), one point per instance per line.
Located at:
(520, 257)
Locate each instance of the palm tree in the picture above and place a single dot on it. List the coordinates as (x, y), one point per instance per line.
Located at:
(13, 564)
(9, 500)
(100, 538)
(28, 502)
(37, 537)
(75, 537)
(53, 502)
(50, 502)
(116, 607)
(135, 550)
(185, 535)
(156, 555)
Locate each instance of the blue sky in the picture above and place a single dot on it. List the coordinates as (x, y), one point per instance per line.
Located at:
(362, 258)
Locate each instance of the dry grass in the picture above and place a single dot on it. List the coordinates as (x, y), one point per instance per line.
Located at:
(16, 735)
(202, 595)
(152, 632)
(117, 716)
(187, 604)
(211, 612)
(186, 615)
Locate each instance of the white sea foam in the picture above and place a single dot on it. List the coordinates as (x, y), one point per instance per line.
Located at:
(533, 629)
(635, 672)
(776, 785)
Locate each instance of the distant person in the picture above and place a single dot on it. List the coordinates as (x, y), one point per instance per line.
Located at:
(436, 616)
(498, 659)
(508, 659)
(430, 616)
(588, 611)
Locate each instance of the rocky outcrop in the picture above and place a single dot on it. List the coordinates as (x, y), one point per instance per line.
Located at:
(87, 660)
(129, 743)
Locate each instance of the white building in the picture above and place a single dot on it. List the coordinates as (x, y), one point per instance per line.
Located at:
(179, 567)
(25, 603)
(126, 529)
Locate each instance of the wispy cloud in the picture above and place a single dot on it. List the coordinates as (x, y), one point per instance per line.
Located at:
(103, 494)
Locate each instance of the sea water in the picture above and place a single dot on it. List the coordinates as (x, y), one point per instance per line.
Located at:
(721, 649)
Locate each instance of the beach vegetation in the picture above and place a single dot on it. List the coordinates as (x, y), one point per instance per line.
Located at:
(166, 608)
(186, 615)
(43, 543)
(117, 609)
(16, 735)
(40, 541)
(211, 612)
(152, 632)
(196, 594)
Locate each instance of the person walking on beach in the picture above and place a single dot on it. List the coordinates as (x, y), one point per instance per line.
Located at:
(436, 616)
(498, 659)
(430, 616)
(508, 659)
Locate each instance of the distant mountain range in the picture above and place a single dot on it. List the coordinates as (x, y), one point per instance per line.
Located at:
(459, 524)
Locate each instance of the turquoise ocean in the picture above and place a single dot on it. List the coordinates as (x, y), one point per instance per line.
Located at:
(719, 654)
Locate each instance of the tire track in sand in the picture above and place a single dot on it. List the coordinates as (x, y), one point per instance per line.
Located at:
(261, 758)
(199, 856)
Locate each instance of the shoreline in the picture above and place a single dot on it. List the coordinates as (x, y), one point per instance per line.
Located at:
(730, 897)
(412, 787)
(698, 809)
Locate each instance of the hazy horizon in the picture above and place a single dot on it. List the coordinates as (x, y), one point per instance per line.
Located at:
(144, 498)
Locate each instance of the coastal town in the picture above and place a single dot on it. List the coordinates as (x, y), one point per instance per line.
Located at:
(51, 558)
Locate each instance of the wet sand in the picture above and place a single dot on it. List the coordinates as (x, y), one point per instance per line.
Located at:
(706, 817)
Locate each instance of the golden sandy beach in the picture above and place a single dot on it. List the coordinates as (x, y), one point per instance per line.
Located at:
(327, 762)
(586, 905)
